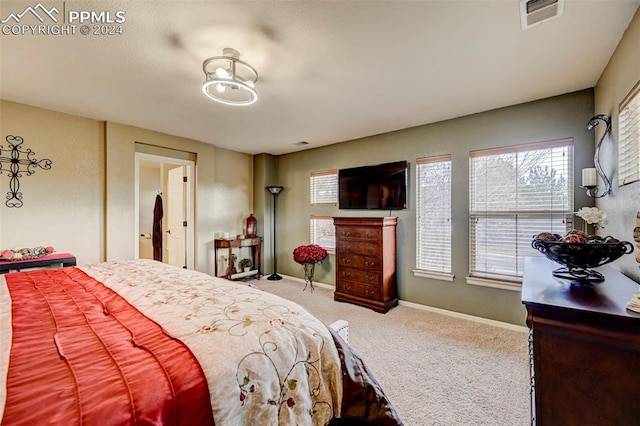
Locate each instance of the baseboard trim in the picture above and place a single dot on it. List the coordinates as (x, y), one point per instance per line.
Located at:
(487, 321)
(454, 314)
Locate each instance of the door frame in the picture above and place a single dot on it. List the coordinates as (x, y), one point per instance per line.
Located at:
(190, 207)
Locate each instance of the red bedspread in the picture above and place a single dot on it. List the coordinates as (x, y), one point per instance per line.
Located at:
(81, 354)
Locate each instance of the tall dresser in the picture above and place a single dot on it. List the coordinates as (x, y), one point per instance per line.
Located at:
(584, 348)
(366, 261)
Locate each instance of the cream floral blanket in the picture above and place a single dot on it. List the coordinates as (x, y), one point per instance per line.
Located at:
(267, 360)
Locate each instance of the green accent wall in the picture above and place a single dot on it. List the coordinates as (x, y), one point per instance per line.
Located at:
(558, 117)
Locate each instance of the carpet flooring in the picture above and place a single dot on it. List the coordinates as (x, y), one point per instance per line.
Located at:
(436, 369)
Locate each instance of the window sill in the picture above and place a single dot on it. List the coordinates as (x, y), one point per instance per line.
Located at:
(488, 282)
(442, 276)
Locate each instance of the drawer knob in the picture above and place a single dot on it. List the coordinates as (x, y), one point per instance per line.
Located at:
(368, 278)
(370, 235)
(369, 293)
(346, 248)
(346, 234)
(346, 288)
(369, 264)
(369, 249)
(346, 274)
(346, 260)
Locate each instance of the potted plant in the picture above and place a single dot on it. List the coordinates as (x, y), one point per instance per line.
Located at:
(246, 264)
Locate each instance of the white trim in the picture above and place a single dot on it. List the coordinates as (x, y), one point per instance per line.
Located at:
(487, 321)
(191, 191)
(442, 276)
(508, 326)
(488, 282)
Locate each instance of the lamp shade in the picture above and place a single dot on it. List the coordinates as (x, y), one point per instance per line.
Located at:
(275, 189)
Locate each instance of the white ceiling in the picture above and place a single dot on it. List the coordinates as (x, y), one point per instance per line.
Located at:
(329, 71)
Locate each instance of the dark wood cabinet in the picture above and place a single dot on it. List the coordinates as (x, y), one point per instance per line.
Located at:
(366, 261)
(584, 348)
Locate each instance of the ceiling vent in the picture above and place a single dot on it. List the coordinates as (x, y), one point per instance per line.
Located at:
(534, 12)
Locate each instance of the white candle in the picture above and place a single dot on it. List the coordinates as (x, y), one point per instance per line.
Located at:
(589, 177)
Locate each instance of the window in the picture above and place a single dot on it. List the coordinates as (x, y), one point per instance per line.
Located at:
(324, 187)
(433, 201)
(323, 232)
(516, 193)
(629, 135)
(323, 190)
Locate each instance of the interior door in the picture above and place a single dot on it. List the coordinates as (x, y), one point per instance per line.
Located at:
(176, 221)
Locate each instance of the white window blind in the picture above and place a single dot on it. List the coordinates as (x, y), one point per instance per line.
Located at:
(629, 136)
(323, 232)
(324, 187)
(433, 199)
(516, 193)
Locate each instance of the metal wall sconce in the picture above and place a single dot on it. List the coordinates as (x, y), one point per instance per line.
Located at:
(590, 176)
(274, 190)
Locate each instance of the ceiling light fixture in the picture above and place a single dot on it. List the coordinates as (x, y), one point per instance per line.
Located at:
(229, 80)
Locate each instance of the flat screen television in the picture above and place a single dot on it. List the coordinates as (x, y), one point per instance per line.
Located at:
(379, 187)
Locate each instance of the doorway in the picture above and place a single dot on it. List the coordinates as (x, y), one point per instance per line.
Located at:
(164, 189)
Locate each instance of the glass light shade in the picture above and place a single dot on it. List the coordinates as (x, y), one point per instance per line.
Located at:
(589, 177)
(275, 189)
(228, 80)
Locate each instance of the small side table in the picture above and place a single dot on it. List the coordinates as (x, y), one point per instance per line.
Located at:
(228, 245)
(66, 259)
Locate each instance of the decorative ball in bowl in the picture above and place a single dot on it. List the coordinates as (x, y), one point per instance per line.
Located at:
(578, 252)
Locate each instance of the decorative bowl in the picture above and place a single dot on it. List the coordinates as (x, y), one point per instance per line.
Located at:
(578, 257)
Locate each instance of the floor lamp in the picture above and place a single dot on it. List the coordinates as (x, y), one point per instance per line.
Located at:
(274, 190)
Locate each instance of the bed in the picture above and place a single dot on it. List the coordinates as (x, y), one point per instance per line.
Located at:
(142, 342)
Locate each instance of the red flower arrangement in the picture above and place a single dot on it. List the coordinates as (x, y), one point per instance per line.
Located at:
(311, 253)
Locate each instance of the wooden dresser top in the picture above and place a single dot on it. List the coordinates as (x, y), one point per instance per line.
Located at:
(610, 297)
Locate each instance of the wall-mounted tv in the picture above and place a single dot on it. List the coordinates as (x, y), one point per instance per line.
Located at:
(379, 187)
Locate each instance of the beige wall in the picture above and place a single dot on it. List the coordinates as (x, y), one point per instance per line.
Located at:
(63, 206)
(619, 76)
(224, 187)
(85, 203)
(554, 118)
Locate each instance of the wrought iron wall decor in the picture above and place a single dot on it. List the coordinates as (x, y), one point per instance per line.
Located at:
(20, 161)
(591, 184)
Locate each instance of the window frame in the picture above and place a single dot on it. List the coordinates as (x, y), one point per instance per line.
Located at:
(424, 236)
(629, 147)
(564, 217)
(314, 188)
(313, 237)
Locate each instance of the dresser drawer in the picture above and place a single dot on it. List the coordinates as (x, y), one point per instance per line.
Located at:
(359, 275)
(357, 261)
(363, 233)
(360, 290)
(355, 247)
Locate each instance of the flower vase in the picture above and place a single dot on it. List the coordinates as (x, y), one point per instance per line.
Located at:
(308, 275)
